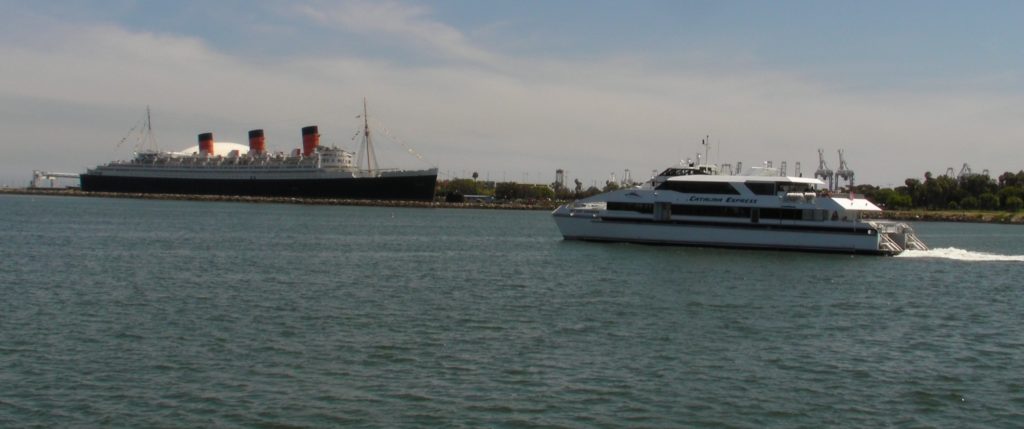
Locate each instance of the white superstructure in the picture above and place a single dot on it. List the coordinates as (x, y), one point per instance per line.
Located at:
(322, 162)
(695, 205)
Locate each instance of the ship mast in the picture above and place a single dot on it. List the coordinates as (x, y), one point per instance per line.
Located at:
(142, 131)
(371, 157)
(150, 137)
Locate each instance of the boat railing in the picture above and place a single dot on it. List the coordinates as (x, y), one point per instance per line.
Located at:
(895, 237)
(218, 164)
(888, 245)
(914, 243)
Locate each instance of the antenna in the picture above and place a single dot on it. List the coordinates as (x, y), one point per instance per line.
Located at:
(707, 147)
(149, 129)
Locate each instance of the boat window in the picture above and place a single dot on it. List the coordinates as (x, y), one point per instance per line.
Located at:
(782, 214)
(761, 188)
(794, 187)
(715, 211)
(631, 207)
(662, 211)
(815, 215)
(684, 171)
(721, 188)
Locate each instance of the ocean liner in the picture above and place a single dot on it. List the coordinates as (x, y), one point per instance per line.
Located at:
(696, 205)
(314, 171)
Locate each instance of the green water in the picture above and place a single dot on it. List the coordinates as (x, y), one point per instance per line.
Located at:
(182, 314)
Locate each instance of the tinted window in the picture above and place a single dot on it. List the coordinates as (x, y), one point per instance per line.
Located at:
(794, 187)
(717, 211)
(700, 187)
(631, 207)
(761, 188)
(784, 214)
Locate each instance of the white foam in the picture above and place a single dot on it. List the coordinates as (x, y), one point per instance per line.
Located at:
(959, 255)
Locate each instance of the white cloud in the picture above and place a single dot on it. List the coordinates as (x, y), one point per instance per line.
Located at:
(407, 24)
(527, 117)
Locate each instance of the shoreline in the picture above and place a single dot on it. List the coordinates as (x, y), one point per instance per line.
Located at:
(70, 192)
(902, 215)
(1001, 217)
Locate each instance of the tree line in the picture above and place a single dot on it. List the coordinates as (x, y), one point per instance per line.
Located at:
(969, 192)
(454, 189)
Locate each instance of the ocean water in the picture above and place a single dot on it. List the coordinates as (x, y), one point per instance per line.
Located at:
(135, 313)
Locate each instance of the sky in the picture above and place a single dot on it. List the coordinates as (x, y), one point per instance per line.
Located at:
(514, 90)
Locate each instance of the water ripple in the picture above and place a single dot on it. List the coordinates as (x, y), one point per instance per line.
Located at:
(150, 313)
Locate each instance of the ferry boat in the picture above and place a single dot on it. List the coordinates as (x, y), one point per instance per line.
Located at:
(695, 205)
(314, 171)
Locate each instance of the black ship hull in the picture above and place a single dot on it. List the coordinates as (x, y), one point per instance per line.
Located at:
(407, 188)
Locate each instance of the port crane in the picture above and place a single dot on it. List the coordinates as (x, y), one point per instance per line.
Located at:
(823, 172)
(844, 171)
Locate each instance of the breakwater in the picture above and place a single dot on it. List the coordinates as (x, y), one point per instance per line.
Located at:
(71, 192)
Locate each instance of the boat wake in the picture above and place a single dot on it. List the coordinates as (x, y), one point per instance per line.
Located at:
(960, 255)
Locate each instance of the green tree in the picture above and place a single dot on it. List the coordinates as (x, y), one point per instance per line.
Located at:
(898, 202)
(589, 192)
(870, 192)
(1010, 191)
(881, 196)
(969, 203)
(1011, 179)
(915, 190)
(540, 192)
(978, 184)
(988, 201)
(461, 186)
(1014, 204)
(939, 190)
(506, 191)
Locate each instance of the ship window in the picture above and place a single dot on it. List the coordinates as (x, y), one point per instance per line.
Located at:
(713, 211)
(761, 188)
(683, 171)
(782, 214)
(794, 187)
(721, 188)
(631, 207)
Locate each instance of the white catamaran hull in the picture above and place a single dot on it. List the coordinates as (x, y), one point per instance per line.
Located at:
(592, 227)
